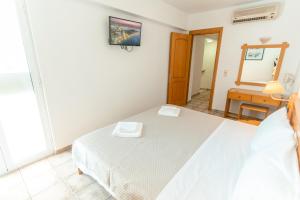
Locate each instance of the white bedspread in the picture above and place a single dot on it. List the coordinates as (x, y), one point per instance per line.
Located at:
(139, 168)
(212, 172)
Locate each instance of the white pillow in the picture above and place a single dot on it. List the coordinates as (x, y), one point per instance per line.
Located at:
(261, 179)
(274, 133)
(271, 172)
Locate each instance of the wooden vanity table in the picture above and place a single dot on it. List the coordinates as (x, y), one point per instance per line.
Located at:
(250, 96)
(259, 64)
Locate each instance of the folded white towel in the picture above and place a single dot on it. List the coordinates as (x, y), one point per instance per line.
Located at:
(169, 111)
(128, 129)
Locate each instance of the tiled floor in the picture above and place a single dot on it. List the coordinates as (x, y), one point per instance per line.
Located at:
(200, 102)
(54, 178)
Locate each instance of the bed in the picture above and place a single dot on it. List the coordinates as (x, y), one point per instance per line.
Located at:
(215, 166)
(172, 160)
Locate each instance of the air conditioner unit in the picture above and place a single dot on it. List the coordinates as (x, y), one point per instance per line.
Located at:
(258, 13)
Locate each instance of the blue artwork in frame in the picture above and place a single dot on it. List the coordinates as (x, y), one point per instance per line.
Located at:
(255, 54)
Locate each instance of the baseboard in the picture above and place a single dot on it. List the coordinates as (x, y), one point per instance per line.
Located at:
(195, 94)
(61, 150)
(207, 89)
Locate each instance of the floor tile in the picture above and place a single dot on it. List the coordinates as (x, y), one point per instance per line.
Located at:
(79, 182)
(60, 159)
(37, 184)
(54, 178)
(200, 103)
(58, 191)
(35, 169)
(10, 180)
(14, 192)
(65, 170)
(93, 192)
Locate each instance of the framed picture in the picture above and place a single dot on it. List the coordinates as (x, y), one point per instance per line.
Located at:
(124, 32)
(255, 54)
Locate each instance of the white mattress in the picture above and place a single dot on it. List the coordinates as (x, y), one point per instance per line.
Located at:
(139, 168)
(212, 172)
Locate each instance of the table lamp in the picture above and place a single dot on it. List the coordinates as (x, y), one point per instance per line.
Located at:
(274, 87)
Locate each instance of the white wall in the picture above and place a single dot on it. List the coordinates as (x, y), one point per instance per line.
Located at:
(285, 28)
(155, 9)
(203, 58)
(209, 58)
(88, 83)
(196, 65)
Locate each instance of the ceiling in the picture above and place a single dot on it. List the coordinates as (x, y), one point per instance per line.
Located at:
(193, 6)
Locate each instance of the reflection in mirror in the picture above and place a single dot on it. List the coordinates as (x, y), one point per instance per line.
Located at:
(260, 65)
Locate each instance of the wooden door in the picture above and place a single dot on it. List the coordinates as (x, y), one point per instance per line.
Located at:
(179, 68)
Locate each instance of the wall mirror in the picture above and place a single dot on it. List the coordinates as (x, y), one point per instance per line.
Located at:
(260, 63)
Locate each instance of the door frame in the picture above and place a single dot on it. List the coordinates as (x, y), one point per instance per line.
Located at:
(5, 162)
(38, 89)
(35, 74)
(219, 31)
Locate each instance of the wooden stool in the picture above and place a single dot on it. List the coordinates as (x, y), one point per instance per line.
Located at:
(250, 121)
(256, 108)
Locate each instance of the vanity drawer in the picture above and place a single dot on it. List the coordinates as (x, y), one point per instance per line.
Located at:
(265, 100)
(239, 96)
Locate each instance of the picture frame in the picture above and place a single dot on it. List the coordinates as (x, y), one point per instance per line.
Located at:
(255, 54)
(124, 32)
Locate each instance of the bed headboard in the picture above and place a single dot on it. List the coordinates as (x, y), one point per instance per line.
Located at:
(294, 117)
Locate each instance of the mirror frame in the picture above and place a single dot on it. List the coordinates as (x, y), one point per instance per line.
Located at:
(283, 48)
